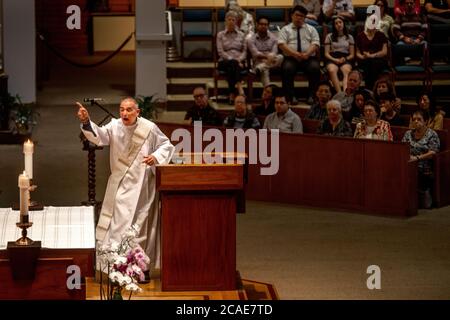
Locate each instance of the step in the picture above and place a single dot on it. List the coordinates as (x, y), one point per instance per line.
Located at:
(196, 69)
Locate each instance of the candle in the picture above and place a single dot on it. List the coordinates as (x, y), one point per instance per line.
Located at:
(24, 185)
(28, 148)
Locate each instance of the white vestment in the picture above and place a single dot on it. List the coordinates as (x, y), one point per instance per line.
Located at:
(130, 196)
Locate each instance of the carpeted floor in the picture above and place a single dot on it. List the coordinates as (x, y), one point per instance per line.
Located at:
(305, 253)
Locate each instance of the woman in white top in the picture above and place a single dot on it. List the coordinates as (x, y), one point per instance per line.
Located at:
(339, 52)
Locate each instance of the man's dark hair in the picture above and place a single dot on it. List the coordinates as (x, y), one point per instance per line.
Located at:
(374, 105)
(325, 83)
(263, 17)
(279, 93)
(300, 9)
(425, 115)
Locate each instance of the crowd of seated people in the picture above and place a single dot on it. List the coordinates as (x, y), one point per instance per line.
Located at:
(344, 107)
(332, 54)
(366, 119)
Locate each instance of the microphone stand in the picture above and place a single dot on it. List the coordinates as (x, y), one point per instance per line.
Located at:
(91, 148)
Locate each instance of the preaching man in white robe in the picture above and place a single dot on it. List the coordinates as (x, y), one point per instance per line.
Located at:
(136, 145)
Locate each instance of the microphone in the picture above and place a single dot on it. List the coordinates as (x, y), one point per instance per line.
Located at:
(92, 99)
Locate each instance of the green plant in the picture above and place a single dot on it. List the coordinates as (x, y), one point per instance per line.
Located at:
(7, 103)
(24, 116)
(150, 106)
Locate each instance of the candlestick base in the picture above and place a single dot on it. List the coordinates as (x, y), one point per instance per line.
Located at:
(24, 224)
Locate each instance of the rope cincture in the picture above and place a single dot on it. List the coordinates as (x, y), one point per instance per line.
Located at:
(82, 65)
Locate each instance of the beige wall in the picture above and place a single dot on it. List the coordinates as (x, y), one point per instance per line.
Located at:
(105, 40)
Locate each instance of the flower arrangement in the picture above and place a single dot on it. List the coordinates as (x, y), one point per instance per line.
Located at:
(124, 263)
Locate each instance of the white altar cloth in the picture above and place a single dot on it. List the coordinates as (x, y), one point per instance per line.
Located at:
(56, 227)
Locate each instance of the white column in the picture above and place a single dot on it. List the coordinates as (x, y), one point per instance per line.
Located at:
(150, 52)
(20, 48)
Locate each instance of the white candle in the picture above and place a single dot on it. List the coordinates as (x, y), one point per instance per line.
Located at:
(24, 185)
(28, 148)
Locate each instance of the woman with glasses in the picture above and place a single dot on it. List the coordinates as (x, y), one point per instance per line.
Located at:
(372, 127)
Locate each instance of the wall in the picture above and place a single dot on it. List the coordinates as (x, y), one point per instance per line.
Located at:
(51, 20)
(150, 48)
(20, 49)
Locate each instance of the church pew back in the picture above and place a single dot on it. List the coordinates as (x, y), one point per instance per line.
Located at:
(341, 173)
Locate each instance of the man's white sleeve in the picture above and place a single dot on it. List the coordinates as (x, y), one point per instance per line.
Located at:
(99, 136)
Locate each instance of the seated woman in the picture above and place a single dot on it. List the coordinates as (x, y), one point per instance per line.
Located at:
(339, 52)
(388, 112)
(435, 117)
(335, 125)
(356, 113)
(232, 50)
(386, 21)
(267, 105)
(385, 85)
(372, 127)
(242, 117)
(371, 51)
(424, 144)
(314, 10)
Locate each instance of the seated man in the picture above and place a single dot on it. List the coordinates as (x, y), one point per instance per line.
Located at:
(343, 8)
(263, 46)
(318, 110)
(346, 97)
(201, 110)
(438, 11)
(313, 7)
(334, 124)
(299, 43)
(283, 119)
(242, 117)
(410, 27)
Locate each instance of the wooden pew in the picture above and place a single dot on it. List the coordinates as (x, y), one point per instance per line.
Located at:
(441, 190)
(341, 173)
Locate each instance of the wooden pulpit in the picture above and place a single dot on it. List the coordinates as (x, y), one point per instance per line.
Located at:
(198, 225)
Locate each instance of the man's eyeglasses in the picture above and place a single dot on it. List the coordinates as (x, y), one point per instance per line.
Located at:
(196, 96)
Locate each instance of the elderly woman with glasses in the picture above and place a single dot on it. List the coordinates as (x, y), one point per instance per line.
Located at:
(424, 143)
(372, 127)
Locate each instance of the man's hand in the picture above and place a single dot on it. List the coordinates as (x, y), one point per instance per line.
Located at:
(300, 56)
(82, 114)
(407, 40)
(150, 160)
